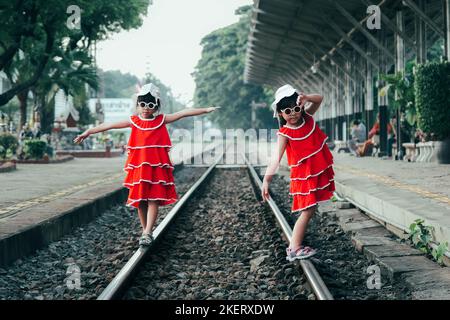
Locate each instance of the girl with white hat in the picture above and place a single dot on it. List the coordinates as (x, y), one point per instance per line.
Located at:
(149, 168)
(310, 161)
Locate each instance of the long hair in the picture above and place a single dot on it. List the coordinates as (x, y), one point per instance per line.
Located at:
(286, 102)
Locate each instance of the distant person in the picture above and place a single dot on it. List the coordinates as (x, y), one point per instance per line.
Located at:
(358, 135)
(310, 161)
(149, 168)
(392, 135)
(36, 132)
(374, 138)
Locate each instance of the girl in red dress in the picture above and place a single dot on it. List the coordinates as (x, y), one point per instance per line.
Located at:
(148, 166)
(308, 156)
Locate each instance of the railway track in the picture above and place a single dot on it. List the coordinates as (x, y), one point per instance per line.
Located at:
(217, 242)
(258, 261)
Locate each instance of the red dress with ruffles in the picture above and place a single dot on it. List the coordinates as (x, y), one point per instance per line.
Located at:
(148, 166)
(311, 163)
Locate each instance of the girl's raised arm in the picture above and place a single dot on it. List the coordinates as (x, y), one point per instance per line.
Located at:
(273, 166)
(315, 99)
(102, 127)
(187, 113)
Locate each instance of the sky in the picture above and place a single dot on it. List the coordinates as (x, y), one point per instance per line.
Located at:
(168, 42)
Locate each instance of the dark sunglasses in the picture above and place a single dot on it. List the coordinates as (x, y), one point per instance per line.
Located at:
(288, 111)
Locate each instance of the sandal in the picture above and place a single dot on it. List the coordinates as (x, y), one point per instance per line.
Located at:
(146, 239)
(303, 252)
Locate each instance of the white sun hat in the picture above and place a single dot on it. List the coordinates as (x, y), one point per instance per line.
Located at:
(150, 88)
(285, 91)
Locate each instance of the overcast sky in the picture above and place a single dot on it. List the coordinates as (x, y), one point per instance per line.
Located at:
(168, 42)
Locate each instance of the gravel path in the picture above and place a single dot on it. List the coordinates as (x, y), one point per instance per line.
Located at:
(97, 250)
(224, 245)
(343, 269)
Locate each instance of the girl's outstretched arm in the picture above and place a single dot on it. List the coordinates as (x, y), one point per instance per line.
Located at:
(273, 166)
(100, 128)
(188, 113)
(315, 99)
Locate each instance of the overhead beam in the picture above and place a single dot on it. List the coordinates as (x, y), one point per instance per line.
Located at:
(306, 67)
(349, 41)
(330, 57)
(363, 30)
(290, 26)
(338, 50)
(392, 26)
(424, 17)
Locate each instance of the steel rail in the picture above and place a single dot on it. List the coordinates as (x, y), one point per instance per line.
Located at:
(121, 281)
(318, 286)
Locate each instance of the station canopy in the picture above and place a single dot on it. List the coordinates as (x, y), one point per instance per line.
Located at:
(300, 41)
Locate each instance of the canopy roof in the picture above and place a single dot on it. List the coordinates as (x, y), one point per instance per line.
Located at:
(289, 37)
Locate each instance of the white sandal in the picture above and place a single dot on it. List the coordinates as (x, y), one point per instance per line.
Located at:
(146, 239)
(301, 253)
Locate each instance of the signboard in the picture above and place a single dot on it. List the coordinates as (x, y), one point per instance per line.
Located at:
(114, 109)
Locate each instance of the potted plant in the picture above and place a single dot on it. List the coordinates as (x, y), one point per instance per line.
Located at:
(403, 101)
(432, 96)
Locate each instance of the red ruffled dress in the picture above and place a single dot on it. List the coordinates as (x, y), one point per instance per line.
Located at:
(311, 163)
(148, 166)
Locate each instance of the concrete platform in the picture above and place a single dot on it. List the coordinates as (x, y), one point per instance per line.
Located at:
(425, 278)
(396, 192)
(40, 203)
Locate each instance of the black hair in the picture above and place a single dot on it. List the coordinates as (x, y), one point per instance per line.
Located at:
(286, 102)
(149, 98)
(356, 122)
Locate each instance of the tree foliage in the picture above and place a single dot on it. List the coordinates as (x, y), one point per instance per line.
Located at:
(115, 84)
(219, 77)
(34, 32)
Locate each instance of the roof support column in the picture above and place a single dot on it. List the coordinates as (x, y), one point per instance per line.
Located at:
(447, 29)
(348, 96)
(420, 35)
(369, 81)
(400, 67)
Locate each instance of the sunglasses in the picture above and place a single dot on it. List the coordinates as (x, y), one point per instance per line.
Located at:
(149, 105)
(288, 111)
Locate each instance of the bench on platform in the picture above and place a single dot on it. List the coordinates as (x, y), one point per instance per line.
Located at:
(411, 151)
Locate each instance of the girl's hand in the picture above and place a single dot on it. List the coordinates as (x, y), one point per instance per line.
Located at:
(211, 109)
(80, 138)
(265, 191)
(302, 99)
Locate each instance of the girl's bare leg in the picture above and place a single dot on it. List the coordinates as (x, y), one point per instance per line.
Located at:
(300, 227)
(142, 211)
(152, 213)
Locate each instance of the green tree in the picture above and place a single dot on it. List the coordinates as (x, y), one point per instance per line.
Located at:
(33, 31)
(115, 84)
(219, 77)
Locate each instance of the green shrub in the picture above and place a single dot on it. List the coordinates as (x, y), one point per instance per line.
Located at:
(8, 145)
(35, 149)
(432, 94)
(421, 237)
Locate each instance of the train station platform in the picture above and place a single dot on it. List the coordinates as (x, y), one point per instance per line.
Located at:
(396, 192)
(39, 203)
